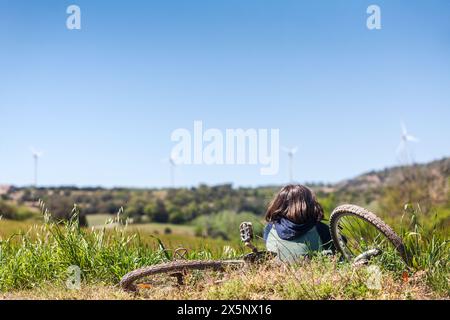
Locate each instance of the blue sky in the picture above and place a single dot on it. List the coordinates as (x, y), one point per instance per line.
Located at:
(102, 102)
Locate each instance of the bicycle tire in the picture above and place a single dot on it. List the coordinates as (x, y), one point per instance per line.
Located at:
(369, 217)
(128, 281)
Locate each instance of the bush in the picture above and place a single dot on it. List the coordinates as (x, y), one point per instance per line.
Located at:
(226, 224)
(156, 211)
(9, 211)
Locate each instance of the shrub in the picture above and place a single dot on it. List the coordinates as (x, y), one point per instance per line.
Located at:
(226, 224)
(12, 212)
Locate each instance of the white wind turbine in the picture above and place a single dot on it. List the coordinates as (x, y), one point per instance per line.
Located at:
(403, 150)
(36, 155)
(172, 165)
(291, 153)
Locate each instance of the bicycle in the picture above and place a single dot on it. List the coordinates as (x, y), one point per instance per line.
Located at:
(359, 235)
(350, 226)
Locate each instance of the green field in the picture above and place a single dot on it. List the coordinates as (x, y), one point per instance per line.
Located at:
(35, 257)
(148, 234)
(99, 220)
(9, 228)
(34, 263)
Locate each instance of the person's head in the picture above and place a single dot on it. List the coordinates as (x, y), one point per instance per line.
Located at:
(296, 203)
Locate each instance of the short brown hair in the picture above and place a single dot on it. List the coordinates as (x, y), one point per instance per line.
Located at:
(296, 203)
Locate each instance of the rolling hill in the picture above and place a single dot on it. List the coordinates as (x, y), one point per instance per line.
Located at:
(427, 184)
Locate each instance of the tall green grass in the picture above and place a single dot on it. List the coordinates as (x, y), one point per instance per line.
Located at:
(45, 252)
(427, 246)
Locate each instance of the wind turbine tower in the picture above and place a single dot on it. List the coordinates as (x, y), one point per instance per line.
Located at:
(291, 153)
(403, 149)
(36, 155)
(172, 166)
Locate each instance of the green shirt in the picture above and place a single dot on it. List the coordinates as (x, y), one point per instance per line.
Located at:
(292, 250)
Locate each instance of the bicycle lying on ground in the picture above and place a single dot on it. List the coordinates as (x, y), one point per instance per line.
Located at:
(357, 234)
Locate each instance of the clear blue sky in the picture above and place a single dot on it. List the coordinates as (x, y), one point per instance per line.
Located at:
(101, 102)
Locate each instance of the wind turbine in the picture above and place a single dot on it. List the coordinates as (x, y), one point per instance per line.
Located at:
(291, 153)
(36, 155)
(173, 165)
(406, 138)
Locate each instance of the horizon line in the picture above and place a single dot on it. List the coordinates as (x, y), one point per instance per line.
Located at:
(312, 183)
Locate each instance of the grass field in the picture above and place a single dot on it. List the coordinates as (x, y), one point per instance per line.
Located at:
(34, 265)
(99, 220)
(10, 227)
(173, 236)
(316, 280)
(148, 234)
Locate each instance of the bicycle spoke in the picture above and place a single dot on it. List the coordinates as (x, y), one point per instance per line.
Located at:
(360, 233)
(360, 236)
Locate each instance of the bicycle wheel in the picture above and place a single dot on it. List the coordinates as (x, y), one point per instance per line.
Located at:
(358, 233)
(174, 269)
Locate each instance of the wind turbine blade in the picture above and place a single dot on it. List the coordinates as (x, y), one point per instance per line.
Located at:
(294, 150)
(285, 149)
(171, 160)
(412, 138)
(404, 129)
(36, 153)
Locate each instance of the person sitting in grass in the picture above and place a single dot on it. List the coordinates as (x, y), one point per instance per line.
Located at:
(295, 226)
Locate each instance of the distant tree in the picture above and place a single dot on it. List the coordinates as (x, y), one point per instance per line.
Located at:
(7, 211)
(413, 188)
(156, 211)
(176, 215)
(61, 209)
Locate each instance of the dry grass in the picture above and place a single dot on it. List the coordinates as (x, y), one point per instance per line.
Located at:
(308, 281)
(49, 292)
